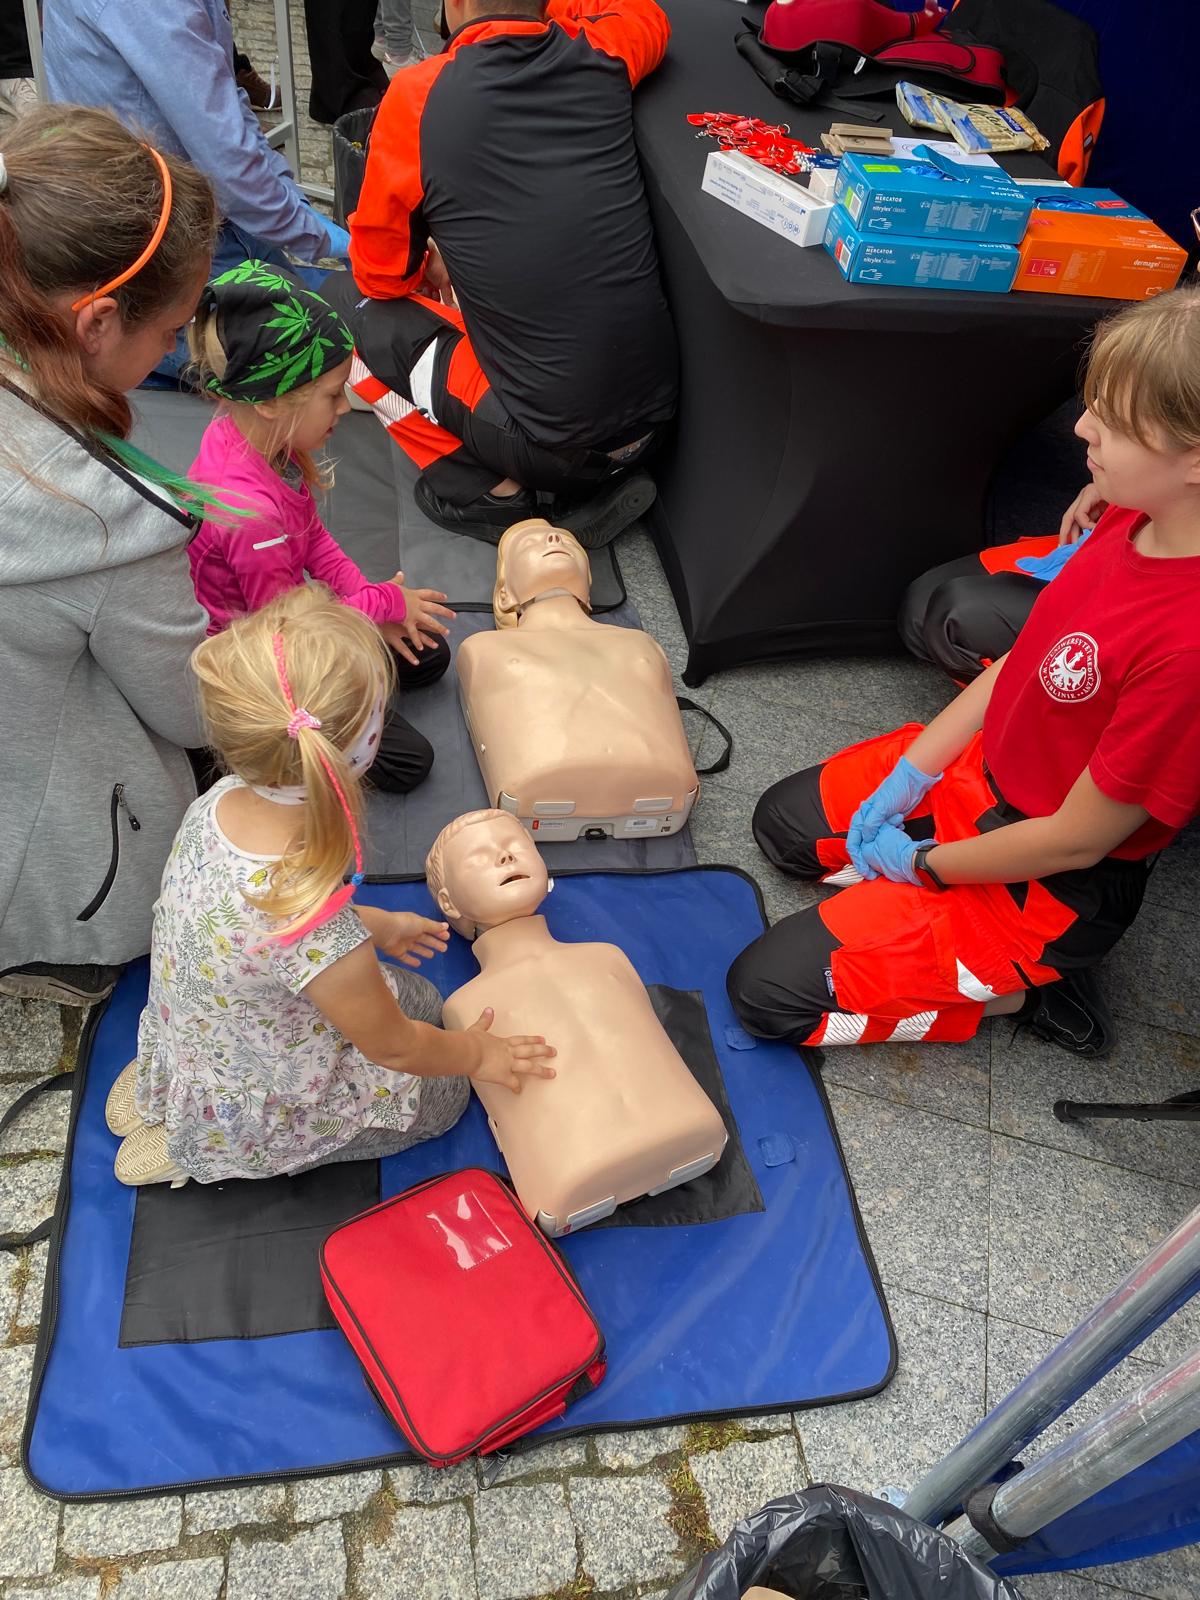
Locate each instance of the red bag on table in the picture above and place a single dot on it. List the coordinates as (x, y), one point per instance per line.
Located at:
(469, 1325)
(838, 54)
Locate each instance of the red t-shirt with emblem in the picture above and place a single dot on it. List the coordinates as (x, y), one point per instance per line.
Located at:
(1106, 675)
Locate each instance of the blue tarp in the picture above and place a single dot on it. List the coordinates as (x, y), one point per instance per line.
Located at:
(759, 1312)
(1153, 1509)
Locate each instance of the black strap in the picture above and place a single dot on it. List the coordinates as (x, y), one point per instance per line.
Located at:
(57, 1081)
(978, 1510)
(722, 760)
(814, 87)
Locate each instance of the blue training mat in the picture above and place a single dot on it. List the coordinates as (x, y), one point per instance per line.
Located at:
(760, 1312)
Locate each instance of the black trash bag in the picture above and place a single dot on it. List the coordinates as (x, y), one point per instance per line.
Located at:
(351, 139)
(828, 1543)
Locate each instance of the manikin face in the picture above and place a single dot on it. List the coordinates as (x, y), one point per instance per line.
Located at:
(493, 874)
(540, 557)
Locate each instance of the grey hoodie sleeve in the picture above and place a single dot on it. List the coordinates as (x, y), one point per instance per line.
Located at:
(143, 633)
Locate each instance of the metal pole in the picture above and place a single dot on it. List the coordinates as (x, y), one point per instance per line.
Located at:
(33, 27)
(286, 133)
(1163, 1411)
(1167, 1277)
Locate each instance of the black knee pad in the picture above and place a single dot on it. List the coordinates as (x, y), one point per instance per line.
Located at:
(777, 986)
(405, 759)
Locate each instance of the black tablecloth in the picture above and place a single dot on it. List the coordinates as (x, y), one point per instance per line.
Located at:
(833, 440)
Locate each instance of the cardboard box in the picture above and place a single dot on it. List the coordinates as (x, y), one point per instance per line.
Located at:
(919, 263)
(932, 199)
(777, 202)
(1090, 241)
(822, 181)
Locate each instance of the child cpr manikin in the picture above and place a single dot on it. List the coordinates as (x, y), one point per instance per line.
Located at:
(623, 1116)
(574, 722)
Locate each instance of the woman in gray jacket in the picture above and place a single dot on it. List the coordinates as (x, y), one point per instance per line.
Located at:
(97, 612)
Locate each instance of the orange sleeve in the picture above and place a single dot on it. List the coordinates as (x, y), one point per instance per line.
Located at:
(388, 236)
(636, 31)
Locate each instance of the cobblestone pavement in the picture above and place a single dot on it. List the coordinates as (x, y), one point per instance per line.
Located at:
(994, 1227)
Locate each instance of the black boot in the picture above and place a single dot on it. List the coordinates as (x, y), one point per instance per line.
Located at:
(485, 518)
(1072, 1014)
(598, 521)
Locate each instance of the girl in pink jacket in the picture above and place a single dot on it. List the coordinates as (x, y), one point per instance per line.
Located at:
(278, 357)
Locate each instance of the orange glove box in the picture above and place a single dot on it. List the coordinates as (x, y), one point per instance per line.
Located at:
(1114, 257)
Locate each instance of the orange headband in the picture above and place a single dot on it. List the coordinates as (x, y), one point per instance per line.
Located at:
(155, 240)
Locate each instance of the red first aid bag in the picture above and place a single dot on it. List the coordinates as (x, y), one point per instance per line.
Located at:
(469, 1325)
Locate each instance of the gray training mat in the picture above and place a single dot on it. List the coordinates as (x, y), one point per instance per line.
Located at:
(370, 507)
(361, 510)
(400, 828)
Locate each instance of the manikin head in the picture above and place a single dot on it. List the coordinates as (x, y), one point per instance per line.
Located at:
(532, 558)
(484, 869)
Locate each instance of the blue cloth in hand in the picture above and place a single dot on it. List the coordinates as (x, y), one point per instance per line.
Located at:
(890, 855)
(899, 794)
(1044, 568)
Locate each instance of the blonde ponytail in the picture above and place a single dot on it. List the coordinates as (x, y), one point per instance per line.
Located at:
(337, 670)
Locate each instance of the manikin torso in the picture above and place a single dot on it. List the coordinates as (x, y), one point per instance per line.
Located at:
(562, 708)
(622, 1113)
(623, 1116)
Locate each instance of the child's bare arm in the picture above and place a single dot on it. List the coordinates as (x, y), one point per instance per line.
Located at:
(354, 997)
(1085, 828)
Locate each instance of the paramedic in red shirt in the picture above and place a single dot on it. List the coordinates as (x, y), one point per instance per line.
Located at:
(503, 251)
(1006, 846)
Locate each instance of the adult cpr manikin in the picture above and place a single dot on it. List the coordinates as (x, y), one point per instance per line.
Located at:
(574, 722)
(623, 1116)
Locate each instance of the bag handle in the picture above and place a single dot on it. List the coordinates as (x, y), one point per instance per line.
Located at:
(802, 88)
(722, 761)
(51, 1085)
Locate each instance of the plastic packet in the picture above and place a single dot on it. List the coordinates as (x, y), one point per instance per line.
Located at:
(918, 107)
(987, 129)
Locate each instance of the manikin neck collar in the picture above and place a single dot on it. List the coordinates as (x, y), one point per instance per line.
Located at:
(553, 594)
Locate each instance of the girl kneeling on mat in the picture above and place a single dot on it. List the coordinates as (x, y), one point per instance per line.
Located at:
(273, 1039)
(278, 357)
(1007, 845)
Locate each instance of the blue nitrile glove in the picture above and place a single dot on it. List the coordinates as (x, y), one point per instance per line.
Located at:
(339, 240)
(1043, 568)
(890, 855)
(900, 792)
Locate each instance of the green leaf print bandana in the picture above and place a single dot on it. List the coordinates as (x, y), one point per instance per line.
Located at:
(276, 334)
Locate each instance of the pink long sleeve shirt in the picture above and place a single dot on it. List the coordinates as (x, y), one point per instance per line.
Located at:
(240, 565)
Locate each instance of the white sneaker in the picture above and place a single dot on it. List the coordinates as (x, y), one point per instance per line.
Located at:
(142, 1159)
(391, 66)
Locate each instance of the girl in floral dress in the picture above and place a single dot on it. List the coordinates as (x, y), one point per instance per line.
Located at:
(274, 1039)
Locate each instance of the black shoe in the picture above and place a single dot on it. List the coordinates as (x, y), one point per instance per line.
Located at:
(1071, 1013)
(598, 521)
(485, 518)
(64, 986)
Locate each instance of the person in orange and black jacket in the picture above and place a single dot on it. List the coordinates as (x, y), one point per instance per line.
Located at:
(514, 336)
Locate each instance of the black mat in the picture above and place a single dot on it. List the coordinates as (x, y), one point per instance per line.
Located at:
(729, 1190)
(238, 1260)
(370, 507)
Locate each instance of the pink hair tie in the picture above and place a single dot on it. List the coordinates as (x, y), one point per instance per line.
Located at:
(301, 718)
